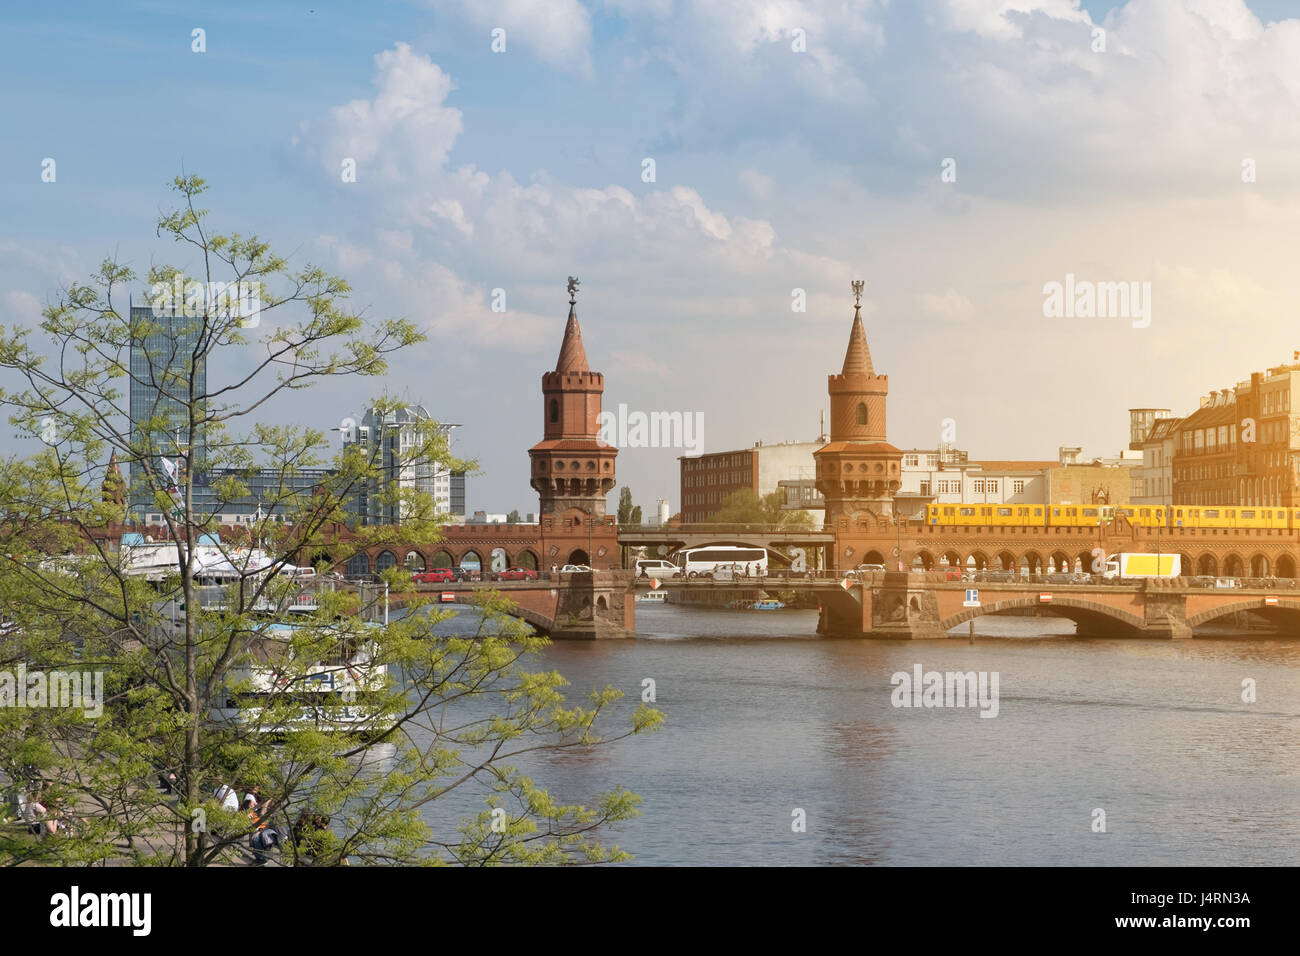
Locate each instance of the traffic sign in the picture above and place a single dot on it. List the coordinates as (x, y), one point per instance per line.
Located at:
(972, 598)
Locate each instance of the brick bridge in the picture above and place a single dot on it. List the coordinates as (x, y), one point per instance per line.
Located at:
(910, 606)
(894, 606)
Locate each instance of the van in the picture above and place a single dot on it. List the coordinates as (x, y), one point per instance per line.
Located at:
(656, 568)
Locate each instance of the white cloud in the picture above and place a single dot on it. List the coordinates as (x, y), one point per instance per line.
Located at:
(557, 32)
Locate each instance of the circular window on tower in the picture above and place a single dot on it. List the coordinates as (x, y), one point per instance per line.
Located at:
(879, 467)
(559, 466)
(591, 466)
(574, 465)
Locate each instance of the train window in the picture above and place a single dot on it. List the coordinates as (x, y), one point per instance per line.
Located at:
(1144, 512)
(949, 511)
(1057, 512)
(1251, 514)
(1211, 512)
(967, 511)
(1038, 512)
(1179, 512)
(1004, 512)
(1090, 512)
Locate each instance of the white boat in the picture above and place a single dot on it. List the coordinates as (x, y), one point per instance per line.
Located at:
(652, 597)
(327, 695)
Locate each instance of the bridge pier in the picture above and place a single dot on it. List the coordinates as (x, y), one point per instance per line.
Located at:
(594, 605)
(890, 611)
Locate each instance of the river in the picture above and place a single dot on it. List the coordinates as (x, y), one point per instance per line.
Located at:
(763, 719)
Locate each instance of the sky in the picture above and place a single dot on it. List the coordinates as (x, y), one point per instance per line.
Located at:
(958, 156)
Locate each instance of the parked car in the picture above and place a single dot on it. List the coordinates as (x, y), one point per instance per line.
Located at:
(515, 574)
(434, 576)
(574, 569)
(870, 568)
(458, 574)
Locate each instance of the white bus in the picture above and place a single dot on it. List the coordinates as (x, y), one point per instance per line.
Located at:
(700, 562)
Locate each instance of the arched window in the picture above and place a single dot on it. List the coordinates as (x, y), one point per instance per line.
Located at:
(555, 410)
(862, 413)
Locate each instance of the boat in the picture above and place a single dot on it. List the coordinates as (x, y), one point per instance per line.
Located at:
(327, 694)
(769, 604)
(652, 597)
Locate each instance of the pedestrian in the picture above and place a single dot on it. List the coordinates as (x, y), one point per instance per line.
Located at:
(226, 796)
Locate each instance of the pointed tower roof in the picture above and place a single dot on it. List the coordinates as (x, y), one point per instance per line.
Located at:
(857, 359)
(573, 357)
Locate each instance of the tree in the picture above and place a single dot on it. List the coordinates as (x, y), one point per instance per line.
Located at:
(624, 505)
(354, 773)
(746, 507)
(635, 517)
(513, 518)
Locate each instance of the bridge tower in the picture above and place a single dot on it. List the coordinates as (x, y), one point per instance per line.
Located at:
(572, 469)
(858, 471)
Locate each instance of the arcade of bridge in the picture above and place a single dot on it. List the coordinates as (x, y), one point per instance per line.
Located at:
(1205, 562)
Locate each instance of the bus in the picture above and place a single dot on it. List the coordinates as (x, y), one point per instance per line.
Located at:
(700, 562)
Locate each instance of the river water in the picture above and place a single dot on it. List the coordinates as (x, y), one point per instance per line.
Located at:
(763, 719)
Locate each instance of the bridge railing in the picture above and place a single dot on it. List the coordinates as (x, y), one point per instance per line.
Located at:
(714, 527)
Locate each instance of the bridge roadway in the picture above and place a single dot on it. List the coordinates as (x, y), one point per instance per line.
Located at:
(900, 606)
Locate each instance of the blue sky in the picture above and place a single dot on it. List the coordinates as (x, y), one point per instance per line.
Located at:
(776, 170)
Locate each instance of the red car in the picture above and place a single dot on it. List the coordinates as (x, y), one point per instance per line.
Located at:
(515, 574)
(436, 576)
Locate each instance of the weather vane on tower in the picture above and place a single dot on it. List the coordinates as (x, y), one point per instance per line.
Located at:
(573, 290)
(857, 291)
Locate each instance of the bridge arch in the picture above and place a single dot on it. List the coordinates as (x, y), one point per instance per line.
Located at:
(977, 560)
(1286, 611)
(414, 561)
(384, 560)
(471, 560)
(1006, 561)
(1076, 609)
(358, 565)
(951, 558)
(1259, 565)
(1058, 561)
(873, 557)
(441, 559)
(1233, 566)
(1285, 566)
(526, 559)
(1032, 561)
(1206, 565)
(923, 560)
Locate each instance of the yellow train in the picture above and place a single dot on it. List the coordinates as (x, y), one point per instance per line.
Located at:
(1091, 516)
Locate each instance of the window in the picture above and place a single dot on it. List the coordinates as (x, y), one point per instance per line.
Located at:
(1017, 486)
(979, 487)
(1004, 512)
(993, 487)
(862, 413)
(555, 410)
(931, 461)
(911, 461)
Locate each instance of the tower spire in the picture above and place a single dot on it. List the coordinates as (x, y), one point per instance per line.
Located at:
(573, 357)
(857, 358)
